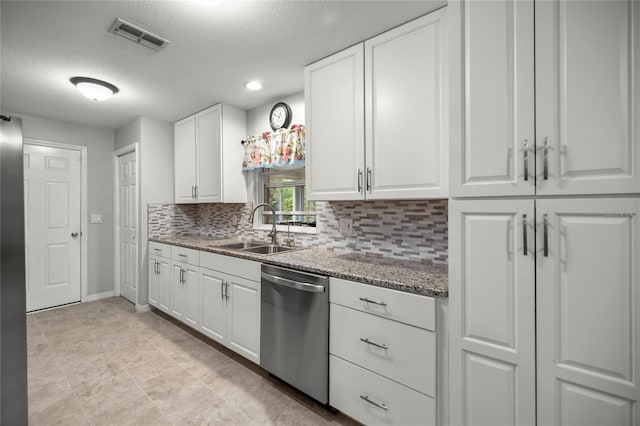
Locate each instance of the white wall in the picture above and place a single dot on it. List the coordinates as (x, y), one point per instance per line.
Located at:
(258, 118)
(99, 143)
(128, 134)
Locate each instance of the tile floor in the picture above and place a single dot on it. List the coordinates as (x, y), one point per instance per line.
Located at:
(101, 363)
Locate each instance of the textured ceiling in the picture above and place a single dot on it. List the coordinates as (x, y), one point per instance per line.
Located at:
(213, 50)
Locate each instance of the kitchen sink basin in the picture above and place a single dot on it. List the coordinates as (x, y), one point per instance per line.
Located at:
(270, 249)
(242, 245)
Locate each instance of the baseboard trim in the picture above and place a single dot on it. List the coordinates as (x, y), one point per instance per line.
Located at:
(143, 308)
(99, 296)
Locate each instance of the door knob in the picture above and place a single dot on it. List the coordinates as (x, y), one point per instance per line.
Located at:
(74, 234)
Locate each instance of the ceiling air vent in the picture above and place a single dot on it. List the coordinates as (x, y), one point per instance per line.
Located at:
(137, 34)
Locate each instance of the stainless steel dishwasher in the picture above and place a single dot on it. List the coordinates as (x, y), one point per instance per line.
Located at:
(294, 329)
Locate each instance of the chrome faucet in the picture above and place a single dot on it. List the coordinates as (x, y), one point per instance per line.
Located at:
(272, 234)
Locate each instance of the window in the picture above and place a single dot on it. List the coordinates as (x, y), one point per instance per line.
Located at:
(284, 190)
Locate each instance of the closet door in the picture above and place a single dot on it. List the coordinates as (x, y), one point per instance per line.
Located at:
(587, 97)
(588, 305)
(492, 306)
(492, 97)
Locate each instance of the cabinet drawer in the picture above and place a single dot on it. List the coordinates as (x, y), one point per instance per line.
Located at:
(185, 255)
(158, 249)
(235, 266)
(350, 384)
(405, 353)
(397, 305)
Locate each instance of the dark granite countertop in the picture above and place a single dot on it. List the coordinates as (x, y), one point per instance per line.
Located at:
(410, 276)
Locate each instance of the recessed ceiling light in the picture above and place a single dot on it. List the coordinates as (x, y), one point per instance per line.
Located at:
(94, 89)
(253, 85)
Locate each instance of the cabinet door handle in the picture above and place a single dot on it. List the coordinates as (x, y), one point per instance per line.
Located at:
(222, 290)
(526, 160)
(376, 404)
(545, 234)
(377, 345)
(157, 267)
(196, 191)
(359, 180)
(226, 291)
(545, 159)
(369, 179)
(193, 191)
(524, 234)
(364, 299)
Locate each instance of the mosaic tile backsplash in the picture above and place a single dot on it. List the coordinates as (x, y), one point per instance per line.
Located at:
(409, 230)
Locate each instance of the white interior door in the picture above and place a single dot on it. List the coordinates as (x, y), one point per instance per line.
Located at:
(52, 224)
(128, 226)
(588, 304)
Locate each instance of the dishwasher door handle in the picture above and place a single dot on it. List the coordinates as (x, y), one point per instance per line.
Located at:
(313, 288)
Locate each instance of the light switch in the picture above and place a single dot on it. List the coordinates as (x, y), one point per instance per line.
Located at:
(96, 218)
(345, 225)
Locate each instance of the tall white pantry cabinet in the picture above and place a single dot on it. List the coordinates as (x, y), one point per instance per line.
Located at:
(544, 225)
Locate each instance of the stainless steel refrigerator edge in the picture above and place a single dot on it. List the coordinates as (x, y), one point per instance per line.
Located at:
(13, 332)
(294, 329)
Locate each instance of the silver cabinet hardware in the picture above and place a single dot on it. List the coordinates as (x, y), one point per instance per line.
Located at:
(196, 191)
(359, 180)
(524, 234)
(157, 250)
(74, 235)
(379, 405)
(364, 299)
(183, 279)
(377, 345)
(182, 255)
(369, 179)
(526, 159)
(545, 234)
(156, 269)
(222, 290)
(298, 285)
(193, 191)
(545, 159)
(226, 291)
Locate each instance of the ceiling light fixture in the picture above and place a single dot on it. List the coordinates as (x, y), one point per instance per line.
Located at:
(94, 89)
(253, 85)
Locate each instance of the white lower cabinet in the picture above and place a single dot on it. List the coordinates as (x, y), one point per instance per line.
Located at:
(382, 370)
(373, 399)
(185, 275)
(160, 276)
(545, 308)
(213, 318)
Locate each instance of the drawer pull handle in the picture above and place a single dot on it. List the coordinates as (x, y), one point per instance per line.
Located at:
(377, 345)
(382, 406)
(157, 249)
(364, 299)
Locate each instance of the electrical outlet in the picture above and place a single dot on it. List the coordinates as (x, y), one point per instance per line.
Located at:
(234, 221)
(345, 225)
(96, 218)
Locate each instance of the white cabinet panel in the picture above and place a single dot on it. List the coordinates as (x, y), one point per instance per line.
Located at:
(192, 295)
(588, 296)
(587, 96)
(244, 317)
(406, 94)
(208, 154)
(212, 305)
(154, 287)
(184, 155)
(492, 302)
(492, 57)
(164, 285)
(334, 115)
(178, 294)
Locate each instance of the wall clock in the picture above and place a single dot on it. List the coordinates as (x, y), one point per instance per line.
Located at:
(280, 116)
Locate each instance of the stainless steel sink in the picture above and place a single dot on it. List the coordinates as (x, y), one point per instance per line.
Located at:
(270, 249)
(242, 245)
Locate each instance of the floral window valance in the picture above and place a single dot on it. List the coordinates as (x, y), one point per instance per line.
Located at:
(274, 149)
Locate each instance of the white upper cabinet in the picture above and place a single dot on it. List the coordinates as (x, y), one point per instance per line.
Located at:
(588, 304)
(406, 105)
(334, 117)
(492, 92)
(397, 84)
(587, 97)
(585, 112)
(208, 156)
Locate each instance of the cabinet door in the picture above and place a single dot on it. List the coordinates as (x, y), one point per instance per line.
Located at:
(192, 296)
(213, 310)
(588, 304)
(492, 97)
(164, 285)
(587, 97)
(154, 285)
(209, 154)
(492, 306)
(406, 94)
(185, 158)
(244, 317)
(178, 292)
(334, 115)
